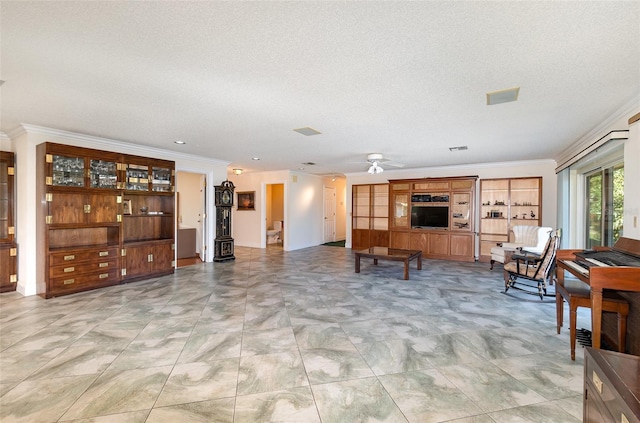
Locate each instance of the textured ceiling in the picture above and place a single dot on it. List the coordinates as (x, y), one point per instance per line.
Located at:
(406, 79)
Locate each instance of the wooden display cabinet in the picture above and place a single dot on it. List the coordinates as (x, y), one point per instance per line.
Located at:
(148, 220)
(8, 247)
(370, 216)
(505, 203)
(434, 215)
(92, 210)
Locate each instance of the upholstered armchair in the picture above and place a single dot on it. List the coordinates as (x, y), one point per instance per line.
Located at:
(526, 238)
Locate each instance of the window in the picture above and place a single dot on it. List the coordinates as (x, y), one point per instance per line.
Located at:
(605, 203)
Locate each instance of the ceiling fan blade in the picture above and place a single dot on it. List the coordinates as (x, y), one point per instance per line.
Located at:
(393, 164)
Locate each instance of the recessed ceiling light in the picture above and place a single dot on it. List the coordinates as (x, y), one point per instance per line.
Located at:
(459, 148)
(307, 131)
(502, 96)
(309, 163)
(179, 142)
(255, 158)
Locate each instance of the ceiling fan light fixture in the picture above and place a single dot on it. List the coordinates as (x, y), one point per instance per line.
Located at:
(374, 169)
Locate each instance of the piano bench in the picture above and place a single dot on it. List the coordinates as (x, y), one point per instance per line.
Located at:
(578, 294)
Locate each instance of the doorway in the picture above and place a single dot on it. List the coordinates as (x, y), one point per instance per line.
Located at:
(274, 213)
(329, 214)
(190, 218)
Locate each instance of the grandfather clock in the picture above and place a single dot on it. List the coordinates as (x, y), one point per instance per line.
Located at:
(223, 244)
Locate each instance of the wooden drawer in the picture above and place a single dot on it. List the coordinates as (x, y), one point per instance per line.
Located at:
(611, 387)
(75, 268)
(69, 257)
(70, 283)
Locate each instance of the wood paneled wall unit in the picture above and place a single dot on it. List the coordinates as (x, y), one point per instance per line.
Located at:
(435, 215)
(104, 218)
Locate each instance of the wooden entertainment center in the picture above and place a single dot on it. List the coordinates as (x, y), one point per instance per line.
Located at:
(434, 215)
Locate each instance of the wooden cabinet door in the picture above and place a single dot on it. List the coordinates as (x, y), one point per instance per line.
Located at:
(66, 207)
(462, 245)
(438, 244)
(137, 260)
(162, 257)
(8, 267)
(103, 208)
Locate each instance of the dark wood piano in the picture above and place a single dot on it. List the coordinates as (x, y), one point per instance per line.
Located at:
(616, 268)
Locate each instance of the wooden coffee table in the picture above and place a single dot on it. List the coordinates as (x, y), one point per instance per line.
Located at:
(392, 254)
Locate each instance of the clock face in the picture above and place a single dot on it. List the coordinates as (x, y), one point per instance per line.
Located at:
(226, 197)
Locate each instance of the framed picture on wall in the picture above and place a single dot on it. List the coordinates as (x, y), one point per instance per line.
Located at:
(246, 200)
(126, 207)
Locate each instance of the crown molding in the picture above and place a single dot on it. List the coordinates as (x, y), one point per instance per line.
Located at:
(601, 131)
(100, 143)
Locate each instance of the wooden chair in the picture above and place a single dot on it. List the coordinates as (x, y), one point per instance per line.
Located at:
(533, 267)
(578, 294)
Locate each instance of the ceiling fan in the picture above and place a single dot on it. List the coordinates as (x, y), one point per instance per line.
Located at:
(376, 160)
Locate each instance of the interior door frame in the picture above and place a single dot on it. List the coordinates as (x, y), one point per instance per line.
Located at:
(263, 213)
(324, 212)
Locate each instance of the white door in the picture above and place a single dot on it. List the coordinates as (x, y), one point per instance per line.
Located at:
(329, 214)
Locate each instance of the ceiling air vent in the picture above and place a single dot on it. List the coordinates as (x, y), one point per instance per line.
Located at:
(502, 96)
(307, 131)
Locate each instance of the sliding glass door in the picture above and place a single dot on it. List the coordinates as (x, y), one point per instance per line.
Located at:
(605, 203)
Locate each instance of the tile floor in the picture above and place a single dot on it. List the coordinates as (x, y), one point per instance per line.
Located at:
(290, 337)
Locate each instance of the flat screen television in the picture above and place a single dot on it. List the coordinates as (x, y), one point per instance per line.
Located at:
(429, 216)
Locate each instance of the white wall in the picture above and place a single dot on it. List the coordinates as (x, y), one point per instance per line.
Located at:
(303, 209)
(544, 168)
(25, 142)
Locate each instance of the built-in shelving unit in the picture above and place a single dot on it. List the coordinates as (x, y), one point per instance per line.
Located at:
(103, 219)
(505, 203)
(370, 216)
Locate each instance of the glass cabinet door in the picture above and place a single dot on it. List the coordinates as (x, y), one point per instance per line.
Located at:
(137, 178)
(460, 212)
(103, 174)
(400, 210)
(68, 171)
(361, 206)
(380, 207)
(4, 201)
(161, 179)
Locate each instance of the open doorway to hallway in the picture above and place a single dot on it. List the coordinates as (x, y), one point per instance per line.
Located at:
(274, 215)
(191, 221)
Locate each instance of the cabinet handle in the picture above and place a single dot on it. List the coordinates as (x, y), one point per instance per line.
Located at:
(103, 253)
(597, 382)
(150, 258)
(103, 275)
(87, 208)
(103, 265)
(68, 281)
(69, 269)
(71, 257)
